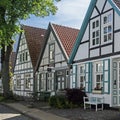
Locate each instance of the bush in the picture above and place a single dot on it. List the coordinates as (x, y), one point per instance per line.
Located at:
(75, 96)
(2, 98)
(59, 102)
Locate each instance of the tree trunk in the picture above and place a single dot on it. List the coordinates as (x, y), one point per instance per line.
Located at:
(5, 71)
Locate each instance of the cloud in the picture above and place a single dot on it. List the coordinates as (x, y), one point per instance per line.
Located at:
(70, 13)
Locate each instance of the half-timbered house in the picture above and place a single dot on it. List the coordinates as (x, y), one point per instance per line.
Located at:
(96, 54)
(30, 44)
(52, 69)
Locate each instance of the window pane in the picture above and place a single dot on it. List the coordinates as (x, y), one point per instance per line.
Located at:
(97, 23)
(98, 78)
(105, 38)
(26, 56)
(97, 33)
(93, 42)
(105, 30)
(109, 36)
(93, 35)
(109, 29)
(109, 18)
(105, 19)
(81, 78)
(93, 25)
(82, 69)
(97, 40)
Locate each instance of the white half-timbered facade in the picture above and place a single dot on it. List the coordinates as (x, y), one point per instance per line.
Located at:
(52, 70)
(29, 46)
(96, 54)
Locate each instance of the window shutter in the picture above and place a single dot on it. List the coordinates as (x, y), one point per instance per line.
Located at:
(88, 77)
(106, 76)
(74, 78)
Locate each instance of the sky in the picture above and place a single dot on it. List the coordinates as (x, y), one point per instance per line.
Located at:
(70, 13)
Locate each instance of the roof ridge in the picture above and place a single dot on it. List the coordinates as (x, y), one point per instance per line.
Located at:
(65, 26)
(32, 27)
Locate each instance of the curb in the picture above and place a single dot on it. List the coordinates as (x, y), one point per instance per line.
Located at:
(23, 113)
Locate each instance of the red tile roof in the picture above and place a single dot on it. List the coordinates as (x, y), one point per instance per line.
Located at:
(117, 2)
(67, 36)
(35, 40)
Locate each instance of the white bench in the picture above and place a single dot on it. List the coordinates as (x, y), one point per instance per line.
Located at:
(93, 101)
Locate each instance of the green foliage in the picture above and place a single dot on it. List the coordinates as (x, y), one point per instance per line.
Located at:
(12, 11)
(60, 102)
(1, 98)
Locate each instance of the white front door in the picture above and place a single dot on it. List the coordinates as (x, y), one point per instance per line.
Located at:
(116, 83)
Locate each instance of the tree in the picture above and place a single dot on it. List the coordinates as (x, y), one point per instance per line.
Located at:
(11, 12)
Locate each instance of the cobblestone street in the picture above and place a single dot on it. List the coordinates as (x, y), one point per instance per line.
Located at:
(9, 114)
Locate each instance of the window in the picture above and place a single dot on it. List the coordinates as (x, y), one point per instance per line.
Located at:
(95, 33)
(67, 72)
(43, 82)
(82, 77)
(20, 59)
(93, 25)
(27, 81)
(97, 23)
(18, 82)
(50, 82)
(95, 38)
(23, 57)
(98, 76)
(51, 52)
(26, 56)
(107, 28)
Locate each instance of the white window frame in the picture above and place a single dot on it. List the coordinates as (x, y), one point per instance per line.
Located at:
(50, 81)
(107, 28)
(82, 75)
(43, 81)
(27, 81)
(98, 71)
(95, 32)
(52, 52)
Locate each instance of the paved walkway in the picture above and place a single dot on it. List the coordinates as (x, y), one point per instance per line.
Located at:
(34, 113)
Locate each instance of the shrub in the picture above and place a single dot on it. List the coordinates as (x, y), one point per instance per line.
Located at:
(59, 102)
(75, 96)
(2, 98)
